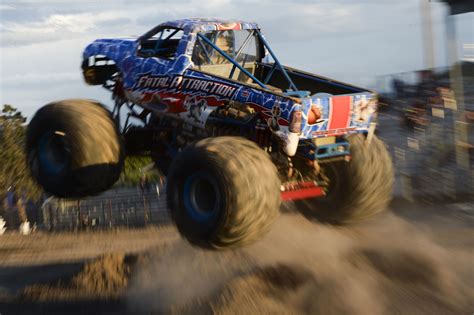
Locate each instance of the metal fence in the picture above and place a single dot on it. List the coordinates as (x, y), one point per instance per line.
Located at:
(124, 206)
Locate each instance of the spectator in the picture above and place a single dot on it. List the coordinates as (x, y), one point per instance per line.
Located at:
(144, 183)
(11, 198)
(11, 214)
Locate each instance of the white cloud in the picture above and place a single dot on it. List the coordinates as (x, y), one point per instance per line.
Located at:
(30, 79)
(4, 7)
(54, 27)
(127, 18)
(295, 18)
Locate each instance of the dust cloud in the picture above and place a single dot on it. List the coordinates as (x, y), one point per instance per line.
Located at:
(180, 275)
(386, 266)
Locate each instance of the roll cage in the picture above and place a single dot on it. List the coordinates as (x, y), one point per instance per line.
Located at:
(161, 42)
(166, 46)
(203, 39)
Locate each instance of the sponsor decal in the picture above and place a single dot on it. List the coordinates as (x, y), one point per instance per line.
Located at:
(273, 122)
(364, 109)
(333, 131)
(197, 111)
(148, 81)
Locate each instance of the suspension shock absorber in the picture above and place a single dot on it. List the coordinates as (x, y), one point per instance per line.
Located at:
(261, 133)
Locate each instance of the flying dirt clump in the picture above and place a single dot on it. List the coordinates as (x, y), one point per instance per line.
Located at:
(268, 290)
(105, 277)
(426, 281)
(170, 278)
(402, 266)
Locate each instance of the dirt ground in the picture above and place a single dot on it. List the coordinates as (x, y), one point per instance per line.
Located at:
(414, 259)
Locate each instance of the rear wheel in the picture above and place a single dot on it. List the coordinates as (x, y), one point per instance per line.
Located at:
(358, 189)
(74, 148)
(223, 192)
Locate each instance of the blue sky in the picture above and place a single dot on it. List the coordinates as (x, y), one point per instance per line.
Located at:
(41, 41)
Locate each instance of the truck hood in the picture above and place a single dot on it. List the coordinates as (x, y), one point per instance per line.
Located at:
(116, 49)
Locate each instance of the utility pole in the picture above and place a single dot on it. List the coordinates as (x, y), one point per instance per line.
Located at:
(427, 34)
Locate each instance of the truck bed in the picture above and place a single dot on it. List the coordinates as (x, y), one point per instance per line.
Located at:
(305, 81)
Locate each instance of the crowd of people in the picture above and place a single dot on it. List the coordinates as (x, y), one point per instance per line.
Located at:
(16, 210)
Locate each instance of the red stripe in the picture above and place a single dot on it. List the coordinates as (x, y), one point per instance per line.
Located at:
(302, 193)
(302, 190)
(340, 112)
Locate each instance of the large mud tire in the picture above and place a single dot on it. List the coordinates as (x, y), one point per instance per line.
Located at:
(358, 189)
(223, 192)
(74, 148)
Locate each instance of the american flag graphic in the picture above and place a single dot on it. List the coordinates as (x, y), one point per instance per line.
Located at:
(340, 112)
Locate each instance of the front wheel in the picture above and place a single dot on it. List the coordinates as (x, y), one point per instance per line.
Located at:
(74, 148)
(223, 192)
(358, 189)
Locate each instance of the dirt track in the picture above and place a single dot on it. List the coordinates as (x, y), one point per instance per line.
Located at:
(416, 260)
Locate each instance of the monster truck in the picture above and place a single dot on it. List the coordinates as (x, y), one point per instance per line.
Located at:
(234, 130)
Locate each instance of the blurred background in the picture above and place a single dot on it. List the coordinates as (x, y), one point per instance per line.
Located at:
(418, 55)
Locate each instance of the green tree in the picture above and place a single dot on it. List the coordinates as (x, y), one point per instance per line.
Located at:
(13, 166)
(133, 169)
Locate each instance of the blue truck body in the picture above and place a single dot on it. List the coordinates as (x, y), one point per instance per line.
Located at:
(173, 85)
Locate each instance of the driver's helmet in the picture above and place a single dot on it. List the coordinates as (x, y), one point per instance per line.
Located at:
(225, 41)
